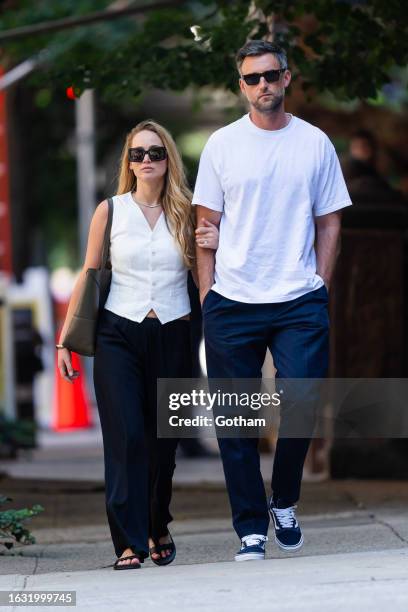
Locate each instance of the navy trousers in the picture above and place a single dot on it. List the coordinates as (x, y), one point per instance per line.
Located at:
(237, 336)
(139, 466)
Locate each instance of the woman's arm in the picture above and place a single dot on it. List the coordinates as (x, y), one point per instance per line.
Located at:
(92, 260)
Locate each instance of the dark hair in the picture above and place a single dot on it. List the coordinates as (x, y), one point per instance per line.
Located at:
(365, 135)
(260, 47)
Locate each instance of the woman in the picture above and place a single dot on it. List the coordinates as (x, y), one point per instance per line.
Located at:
(142, 334)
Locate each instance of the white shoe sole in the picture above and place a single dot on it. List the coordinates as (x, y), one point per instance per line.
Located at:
(250, 557)
(290, 548)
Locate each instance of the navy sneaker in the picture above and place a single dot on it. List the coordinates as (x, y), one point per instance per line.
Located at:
(252, 548)
(287, 531)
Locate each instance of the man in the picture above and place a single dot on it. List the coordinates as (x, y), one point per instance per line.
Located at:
(365, 184)
(363, 147)
(270, 179)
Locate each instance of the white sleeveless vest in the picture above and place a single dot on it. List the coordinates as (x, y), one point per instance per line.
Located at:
(148, 271)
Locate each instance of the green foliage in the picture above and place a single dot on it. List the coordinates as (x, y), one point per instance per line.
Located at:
(16, 434)
(347, 48)
(12, 524)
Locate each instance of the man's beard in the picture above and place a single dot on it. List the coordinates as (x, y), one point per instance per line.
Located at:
(271, 104)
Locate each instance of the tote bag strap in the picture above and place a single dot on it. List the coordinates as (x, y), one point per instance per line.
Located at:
(107, 236)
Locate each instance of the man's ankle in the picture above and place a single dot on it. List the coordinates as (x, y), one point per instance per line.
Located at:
(281, 502)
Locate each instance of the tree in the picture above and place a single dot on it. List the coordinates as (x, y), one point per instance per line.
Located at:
(346, 47)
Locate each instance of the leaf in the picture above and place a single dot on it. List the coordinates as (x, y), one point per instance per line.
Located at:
(331, 43)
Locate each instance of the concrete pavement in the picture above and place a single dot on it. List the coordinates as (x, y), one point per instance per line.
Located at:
(199, 541)
(355, 582)
(354, 557)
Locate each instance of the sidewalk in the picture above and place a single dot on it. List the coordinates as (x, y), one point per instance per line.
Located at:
(355, 582)
(79, 456)
(355, 552)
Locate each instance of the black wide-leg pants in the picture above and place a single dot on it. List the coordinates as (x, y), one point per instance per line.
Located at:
(139, 467)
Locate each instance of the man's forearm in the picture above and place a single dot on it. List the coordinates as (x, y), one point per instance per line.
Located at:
(206, 257)
(327, 245)
(205, 270)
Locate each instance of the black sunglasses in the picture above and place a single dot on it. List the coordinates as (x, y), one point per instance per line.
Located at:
(271, 76)
(155, 153)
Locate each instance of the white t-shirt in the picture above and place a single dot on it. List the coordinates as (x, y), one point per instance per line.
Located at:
(269, 185)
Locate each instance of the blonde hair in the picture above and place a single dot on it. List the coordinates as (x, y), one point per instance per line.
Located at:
(176, 195)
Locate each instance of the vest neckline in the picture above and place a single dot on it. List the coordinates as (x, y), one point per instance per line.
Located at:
(140, 212)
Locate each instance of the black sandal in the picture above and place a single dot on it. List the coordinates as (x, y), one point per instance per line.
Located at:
(158, 550)
(127, 566)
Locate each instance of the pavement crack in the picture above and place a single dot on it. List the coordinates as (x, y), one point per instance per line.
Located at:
(37, 560)
(351, 498)
(361, 506)
(364, 580)
(391, 528)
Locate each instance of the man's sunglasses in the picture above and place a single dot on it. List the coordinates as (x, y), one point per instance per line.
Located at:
(155, 153)
(271, 76)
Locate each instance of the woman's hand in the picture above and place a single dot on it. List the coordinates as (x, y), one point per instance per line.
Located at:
(207, 235)
(65, 365)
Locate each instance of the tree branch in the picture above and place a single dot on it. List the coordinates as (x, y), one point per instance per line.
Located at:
(72, 22)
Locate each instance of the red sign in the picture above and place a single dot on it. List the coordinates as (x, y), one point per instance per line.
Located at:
(5, 230)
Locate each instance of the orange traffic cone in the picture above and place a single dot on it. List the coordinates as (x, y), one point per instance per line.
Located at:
(71, 407)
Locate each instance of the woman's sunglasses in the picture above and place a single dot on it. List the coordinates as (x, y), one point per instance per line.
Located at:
(271, 76)
(155, 153)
